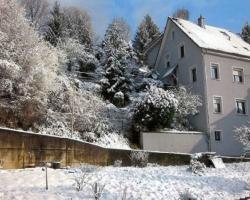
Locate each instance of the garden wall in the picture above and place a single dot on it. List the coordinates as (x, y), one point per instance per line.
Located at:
(169, 141)
(19, 149)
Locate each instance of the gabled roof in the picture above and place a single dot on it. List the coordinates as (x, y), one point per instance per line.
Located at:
(213, 38)
(153, 43)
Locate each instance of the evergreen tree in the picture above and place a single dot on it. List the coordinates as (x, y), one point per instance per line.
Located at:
(147, 31)
(246, 33)
(55, 25)
(118, 62)
(77, 25)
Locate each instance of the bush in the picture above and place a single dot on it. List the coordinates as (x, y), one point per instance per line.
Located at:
(119, 99)
(187, 105)
(139, 158)
(118, 163)
(78, 57)
(83, 177)
(196, 166)
(156, 110)
(187, 195)
(243, 135)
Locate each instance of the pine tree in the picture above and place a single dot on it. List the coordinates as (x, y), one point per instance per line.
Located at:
(55, 25)
(77, 25)
(147, 31)
(118, 62)
(246, 33)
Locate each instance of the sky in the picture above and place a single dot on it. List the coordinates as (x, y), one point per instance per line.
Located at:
(229, 14)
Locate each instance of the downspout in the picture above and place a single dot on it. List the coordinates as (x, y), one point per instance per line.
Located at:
(206, 101)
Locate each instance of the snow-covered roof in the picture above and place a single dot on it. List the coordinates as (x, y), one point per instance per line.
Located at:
(214, 38)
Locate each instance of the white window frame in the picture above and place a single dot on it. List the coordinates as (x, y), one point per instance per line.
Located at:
(221, 104)
(246, 108)
(218, 71)
(242, 70)
(221, 136)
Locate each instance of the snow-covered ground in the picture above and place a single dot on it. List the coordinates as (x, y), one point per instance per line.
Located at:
(152, 182)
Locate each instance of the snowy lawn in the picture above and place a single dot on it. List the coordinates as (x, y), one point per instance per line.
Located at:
(137, 183)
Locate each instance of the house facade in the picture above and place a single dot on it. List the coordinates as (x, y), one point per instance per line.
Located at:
(215, 64)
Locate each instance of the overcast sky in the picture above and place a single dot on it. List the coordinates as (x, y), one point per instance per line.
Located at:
(229, 14)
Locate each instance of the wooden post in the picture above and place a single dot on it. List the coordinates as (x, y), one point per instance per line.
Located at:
(46, 171)
(96, 191)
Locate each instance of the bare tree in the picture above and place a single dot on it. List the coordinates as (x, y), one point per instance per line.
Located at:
(36, 11)
(182, 13)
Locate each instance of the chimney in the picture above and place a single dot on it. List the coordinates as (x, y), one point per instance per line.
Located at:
(201, 21)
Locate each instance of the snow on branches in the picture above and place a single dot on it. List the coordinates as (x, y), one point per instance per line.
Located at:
(166, 108)
(243, 135)
(157, 109)
(78, 57)
(120, 61)
(188, 104)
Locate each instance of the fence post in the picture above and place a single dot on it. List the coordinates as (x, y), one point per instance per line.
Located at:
(46, 176)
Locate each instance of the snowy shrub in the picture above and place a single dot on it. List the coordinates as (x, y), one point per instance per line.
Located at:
(196, 166)
(139, 158)
(119, 99)
(9, 70)
(124, 194)
(187, 195)
(113, 140)
(97, 190)
(81, 110)
(6, 87)
(156, 110)
(147, 82)
(243, 135)
(83, 176)
(29, 68)
(118, 163)
(77, 55)
(187, 105)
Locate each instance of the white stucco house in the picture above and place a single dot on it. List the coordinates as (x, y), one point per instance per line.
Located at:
(213, 63)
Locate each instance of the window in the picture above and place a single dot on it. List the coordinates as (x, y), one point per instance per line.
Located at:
(238, 75)
(167, 60)
(182, 51)
(194, 75)
(217, 104)
(215, 71)
(241, 107)
(217, 135)
(173, 35)
(168, 64)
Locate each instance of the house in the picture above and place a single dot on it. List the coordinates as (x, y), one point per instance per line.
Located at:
(213, 63)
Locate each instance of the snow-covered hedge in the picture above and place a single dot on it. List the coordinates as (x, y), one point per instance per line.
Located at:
(188, 104)
(161, 108)
(243, 135)
(157, 109)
